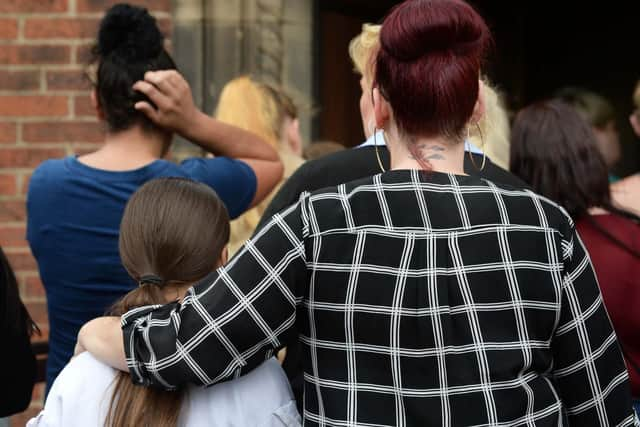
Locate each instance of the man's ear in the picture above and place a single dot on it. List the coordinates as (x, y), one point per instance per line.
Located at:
(635, 123)
(381, 108)
(96, 105)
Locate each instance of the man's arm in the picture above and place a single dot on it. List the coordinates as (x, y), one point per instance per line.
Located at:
(176, 111)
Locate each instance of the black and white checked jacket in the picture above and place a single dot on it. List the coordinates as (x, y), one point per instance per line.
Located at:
(420, 299)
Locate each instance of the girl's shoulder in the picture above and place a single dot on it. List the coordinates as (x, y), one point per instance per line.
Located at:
(262, 397)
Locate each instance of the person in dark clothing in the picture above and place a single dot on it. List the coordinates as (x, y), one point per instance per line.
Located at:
(349, 165)
(16, 328)
(339, 168)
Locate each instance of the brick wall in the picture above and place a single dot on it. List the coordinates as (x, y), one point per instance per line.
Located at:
(45, 112)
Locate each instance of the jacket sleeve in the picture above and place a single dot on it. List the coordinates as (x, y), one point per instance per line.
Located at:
(230, 322)
(588, 365)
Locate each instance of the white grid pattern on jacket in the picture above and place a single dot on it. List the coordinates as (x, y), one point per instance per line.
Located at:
(420, 299)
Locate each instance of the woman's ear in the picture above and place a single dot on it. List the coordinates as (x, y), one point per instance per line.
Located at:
(224, 256)
(293, 136)
(479, 109)
(96, 105)
(381, 108)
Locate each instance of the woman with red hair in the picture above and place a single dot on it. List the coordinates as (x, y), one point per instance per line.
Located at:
(421, 296)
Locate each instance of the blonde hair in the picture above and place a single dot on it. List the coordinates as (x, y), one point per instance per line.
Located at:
(495, 128)
(256, 107)
(262, 109)
(362, 50)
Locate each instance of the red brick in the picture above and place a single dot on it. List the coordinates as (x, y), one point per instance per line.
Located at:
(22, 260)
(19, 80)
(66, 28)
(102, 5)
(166, 26)
(7, 132)
(8, 28)
(8, 185)
(24, 187)
(44, 336)
(31, 6)
(63, 132)
(13, 236)
(33, 105)
(33, 287)
(83, 107)
(67, 80)
(38, 392)
(12, 210)
(21, 419)
(27, 157)
(34, 54)
(83, 54)
(38, 312)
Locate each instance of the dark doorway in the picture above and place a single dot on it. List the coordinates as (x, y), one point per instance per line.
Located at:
(540, 46)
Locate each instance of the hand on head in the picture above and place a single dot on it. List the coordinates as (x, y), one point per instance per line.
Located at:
(171, 95)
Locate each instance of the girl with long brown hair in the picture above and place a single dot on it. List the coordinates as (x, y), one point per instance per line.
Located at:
(174, 233)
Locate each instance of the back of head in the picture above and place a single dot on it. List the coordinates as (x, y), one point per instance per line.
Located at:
(256, 107)
(173, 230)
(594, 108)
(129, 44)
(554, 150)
(362, 50)
(428, 65)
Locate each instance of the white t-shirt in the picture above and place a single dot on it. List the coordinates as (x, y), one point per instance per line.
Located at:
(81, 395)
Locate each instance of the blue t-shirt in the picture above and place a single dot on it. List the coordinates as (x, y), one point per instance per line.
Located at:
(73, 221)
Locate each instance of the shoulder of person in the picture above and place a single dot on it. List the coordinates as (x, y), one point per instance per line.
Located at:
(83, 371)
(216, 161)
(79, 393)
(49, 169)
(253, 399)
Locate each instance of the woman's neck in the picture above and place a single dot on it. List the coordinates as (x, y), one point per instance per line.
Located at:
(440, 154)
(128, 149)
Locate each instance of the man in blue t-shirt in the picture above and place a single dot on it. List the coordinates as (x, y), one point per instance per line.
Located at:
(75, 204)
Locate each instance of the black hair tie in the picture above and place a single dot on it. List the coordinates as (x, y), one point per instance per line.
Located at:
(151, 279)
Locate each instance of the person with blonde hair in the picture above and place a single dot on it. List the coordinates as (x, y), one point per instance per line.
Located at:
(268, 112)
(494, 131)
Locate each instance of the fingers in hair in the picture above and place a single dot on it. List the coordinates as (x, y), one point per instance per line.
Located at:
(153, 93)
